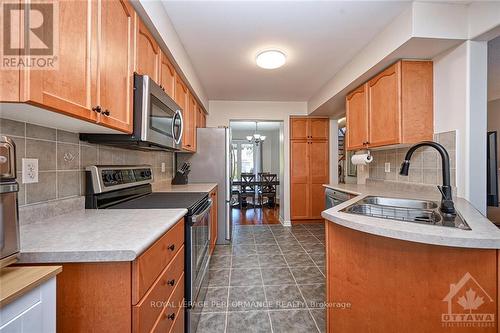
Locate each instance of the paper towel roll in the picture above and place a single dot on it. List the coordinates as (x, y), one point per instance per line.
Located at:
(361, 159)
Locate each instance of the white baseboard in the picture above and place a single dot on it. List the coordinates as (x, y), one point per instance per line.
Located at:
(286, 223)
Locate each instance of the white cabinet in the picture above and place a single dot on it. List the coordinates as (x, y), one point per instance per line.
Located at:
(33, 312)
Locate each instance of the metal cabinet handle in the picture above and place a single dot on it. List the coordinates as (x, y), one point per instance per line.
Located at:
(96, 109)
(171, 282)
(171, 247)
(106, 112)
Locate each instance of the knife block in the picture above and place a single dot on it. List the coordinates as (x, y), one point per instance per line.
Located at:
(180, 178)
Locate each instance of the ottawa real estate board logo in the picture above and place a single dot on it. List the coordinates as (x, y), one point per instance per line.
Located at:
(469, 305)
(30, 35)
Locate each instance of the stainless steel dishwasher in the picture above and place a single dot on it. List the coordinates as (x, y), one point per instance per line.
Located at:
(336, 197)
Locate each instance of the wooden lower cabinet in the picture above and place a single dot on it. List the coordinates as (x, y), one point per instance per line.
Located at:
(213, 220)
(379, 284)
(146, 295)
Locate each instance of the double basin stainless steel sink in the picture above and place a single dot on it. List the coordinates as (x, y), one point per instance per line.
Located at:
(408, 210)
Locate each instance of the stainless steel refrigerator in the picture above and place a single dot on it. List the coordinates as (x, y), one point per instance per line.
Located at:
(212, 164)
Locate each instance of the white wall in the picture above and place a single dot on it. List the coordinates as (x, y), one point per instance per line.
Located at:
(222, 112)
(460, 104)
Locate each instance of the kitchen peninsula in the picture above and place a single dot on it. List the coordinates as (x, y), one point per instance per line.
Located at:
(405, 276)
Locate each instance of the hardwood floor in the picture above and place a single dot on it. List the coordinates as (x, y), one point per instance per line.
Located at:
(251, 216)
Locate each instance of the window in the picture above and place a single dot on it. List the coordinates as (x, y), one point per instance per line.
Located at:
(243, 158)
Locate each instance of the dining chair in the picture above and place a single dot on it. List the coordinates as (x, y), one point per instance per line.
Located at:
(268, 190)
(247, 188)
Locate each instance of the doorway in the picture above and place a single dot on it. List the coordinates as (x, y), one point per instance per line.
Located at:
(257, 169)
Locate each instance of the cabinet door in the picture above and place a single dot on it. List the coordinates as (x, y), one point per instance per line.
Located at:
(299, 179)
(200, 114)
(384, 96)
(319, 128)
(298, 128)
(116, 46)
(319, 174)
(68, 89)
(192, 123)
(357, 118)
(167, 75)
(182, 99)
(147, 53)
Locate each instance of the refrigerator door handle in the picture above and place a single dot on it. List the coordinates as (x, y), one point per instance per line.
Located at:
(228, 193)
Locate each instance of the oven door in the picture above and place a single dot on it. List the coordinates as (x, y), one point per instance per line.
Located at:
(197, 260)
(160, 117)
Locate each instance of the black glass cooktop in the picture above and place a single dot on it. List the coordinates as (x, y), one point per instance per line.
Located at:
(164, 200)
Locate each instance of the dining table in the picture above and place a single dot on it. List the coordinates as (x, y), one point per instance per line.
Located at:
(254, 183)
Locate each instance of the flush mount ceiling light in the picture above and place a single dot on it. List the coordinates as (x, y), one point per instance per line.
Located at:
(270, 59)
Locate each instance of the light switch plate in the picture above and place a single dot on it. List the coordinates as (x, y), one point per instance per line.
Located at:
(387, 167)
(162, 166)
(30, 170)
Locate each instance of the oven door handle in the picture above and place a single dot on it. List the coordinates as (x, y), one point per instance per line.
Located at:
(197, 217)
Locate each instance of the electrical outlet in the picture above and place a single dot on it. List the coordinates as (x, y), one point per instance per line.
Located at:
(162, 166)
(387, 167)
(30, 170)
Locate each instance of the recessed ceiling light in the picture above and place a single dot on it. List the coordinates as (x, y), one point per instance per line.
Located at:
(270, 59)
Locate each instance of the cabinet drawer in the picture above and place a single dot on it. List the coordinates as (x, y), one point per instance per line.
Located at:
(149, 308)
(178, 326)
(167, 319)
(151, 263)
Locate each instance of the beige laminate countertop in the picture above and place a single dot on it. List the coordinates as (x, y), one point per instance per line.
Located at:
(16, 281)
(165, 186)
(483, 234)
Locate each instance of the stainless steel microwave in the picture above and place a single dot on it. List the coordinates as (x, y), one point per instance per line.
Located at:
(158, 122)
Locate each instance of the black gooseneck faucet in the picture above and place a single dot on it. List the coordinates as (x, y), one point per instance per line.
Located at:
(447, 206)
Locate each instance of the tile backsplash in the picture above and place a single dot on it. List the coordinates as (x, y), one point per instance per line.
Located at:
(425, 167)
(62, 159)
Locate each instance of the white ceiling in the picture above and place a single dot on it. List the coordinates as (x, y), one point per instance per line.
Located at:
(222, 39)
(494, 69)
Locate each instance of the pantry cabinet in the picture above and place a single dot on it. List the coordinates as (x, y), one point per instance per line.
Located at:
(394, 107)
(147, 53)
(309, 169)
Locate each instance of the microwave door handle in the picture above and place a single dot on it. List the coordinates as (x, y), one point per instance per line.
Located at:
(177, 114)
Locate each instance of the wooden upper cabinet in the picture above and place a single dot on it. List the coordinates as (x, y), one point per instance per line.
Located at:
(193, 116)
(384, 92)
(201, 118)
(147, 53)
(182, 99)
(319, 128)
(167, 75)
(116, 61)
(67, 89)
(394, 107)
(305, 128)
(417, 101)
(357, 118)
(299, 129)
